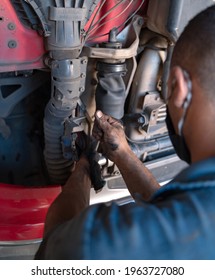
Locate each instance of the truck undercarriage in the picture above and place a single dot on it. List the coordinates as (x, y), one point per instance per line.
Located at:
(60, 61)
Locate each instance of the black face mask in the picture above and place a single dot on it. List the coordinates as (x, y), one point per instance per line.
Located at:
(177, 141)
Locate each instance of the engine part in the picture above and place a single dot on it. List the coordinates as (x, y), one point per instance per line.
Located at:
(145, 99)
(145, 150)
(142, 150)
(145, 79)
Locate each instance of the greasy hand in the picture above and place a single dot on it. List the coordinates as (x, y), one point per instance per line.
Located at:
(111, 135)
(73, 199)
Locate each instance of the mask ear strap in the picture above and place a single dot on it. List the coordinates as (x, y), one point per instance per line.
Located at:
(186, 103)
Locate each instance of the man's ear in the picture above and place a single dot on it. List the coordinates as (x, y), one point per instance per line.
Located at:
(179, 86)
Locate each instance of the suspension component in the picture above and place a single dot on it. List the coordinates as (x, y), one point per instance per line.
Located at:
(111, 89)
(113, 85)
(67, 84)
(63, 113)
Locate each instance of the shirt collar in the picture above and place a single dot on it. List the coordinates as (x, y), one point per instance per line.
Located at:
(196, 176)
(203, 170)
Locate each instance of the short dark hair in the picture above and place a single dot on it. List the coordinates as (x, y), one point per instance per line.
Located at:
(195, 49)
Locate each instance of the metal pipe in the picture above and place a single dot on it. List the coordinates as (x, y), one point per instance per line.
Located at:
(139, 149)
(145, 79)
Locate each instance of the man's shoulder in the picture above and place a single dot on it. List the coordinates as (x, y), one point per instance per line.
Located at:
(198, 172)
(144, 230)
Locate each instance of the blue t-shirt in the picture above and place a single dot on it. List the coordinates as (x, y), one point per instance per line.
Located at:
(178, 223)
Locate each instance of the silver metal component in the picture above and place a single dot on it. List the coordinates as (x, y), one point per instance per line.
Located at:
(103, 161)
(145, 79)
(145, 99)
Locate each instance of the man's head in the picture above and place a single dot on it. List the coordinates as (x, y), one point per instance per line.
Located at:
(192, 74)
(195, 49)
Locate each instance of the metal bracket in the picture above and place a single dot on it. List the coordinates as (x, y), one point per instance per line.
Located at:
(118, 54)
(23, 86)
(155, 111)
(74, 124)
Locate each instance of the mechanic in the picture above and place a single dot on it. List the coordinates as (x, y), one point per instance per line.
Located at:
(176, 221)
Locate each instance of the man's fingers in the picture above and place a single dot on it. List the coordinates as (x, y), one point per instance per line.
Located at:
(99, 115)
(104, 124)
(102, 121)
(97, 131)
(101, 118)
(106, 121)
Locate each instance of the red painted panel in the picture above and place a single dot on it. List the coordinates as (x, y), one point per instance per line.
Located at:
(20, 48)
(23, 211)
(113, 13)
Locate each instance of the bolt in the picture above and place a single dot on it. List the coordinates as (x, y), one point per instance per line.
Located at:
(83, 75)
(81, 89)
(12, 44)
(112, 35)
(141, 120)
(11, 26)
(58, 97)
(49, 62)
(84, 61)
(55, 65)
(144, 156)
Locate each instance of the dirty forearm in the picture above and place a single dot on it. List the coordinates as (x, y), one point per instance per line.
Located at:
(115, 146)
(73, 199)
(136, 176)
